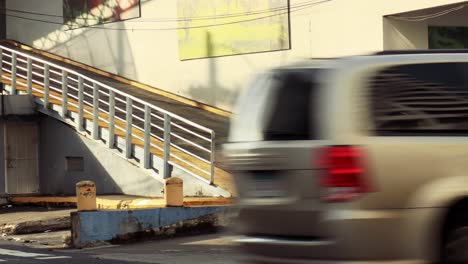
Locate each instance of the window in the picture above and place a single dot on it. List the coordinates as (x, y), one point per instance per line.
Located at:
(448, 37)
(293, 112)
(75, 163)
(421, 99)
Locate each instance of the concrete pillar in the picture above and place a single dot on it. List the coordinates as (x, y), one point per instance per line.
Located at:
(86, 196)
(174, 192)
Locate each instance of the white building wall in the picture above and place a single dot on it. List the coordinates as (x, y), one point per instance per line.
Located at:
(334, 28)
(402, 34)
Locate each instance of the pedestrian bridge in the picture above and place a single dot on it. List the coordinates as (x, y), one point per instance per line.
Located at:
(133, 136)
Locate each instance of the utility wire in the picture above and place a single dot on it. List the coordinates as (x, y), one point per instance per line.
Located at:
(213, 25)
(241, 14)
(4, 10)
(251, 13)
(168, 19)
(290, 10)
(233, 15)
(33, 19)
(429, 16)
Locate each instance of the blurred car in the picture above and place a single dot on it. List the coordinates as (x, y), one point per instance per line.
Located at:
(356, 159)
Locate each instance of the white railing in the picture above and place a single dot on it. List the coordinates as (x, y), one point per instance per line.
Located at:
(125, 116)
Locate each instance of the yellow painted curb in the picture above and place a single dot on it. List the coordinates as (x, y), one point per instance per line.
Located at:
(37, 200)
(117, 202)
(124, 80)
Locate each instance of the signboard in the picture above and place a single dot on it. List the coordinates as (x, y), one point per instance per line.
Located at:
(231, 27)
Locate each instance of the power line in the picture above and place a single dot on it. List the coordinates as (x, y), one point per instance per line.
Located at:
(4, 10)
(176, 19)
(429, 16)
(296, 8)
(33, 19)
(213, 25)
(251, 13)
(256, 12)
(194, 27)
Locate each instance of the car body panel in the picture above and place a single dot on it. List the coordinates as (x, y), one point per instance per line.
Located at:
(413, 179)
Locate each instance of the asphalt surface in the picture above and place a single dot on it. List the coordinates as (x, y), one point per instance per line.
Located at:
(16, 254)
(207, 249)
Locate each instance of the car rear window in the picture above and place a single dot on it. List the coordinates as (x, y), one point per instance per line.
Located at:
(419, 99)
(293, 111)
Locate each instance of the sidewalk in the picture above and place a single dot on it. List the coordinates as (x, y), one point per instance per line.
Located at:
(37, 227)
(45, 227)
(24, 220)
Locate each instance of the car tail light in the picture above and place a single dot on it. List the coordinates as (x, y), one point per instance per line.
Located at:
(343, 173)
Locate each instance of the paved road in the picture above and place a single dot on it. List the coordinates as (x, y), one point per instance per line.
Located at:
(16, 254)
(206, 249)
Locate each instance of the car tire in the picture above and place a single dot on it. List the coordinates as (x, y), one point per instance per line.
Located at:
(455, 248)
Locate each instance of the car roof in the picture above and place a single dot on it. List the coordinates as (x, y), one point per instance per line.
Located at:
(327, 62)
(427, 51)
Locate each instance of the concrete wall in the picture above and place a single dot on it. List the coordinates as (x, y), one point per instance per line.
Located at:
(92, 227)
(335, 28)
(400, 34)
(2, 157)
(2, 20)
(112, 174)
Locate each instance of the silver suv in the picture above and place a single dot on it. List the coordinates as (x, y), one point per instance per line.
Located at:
(357, 159)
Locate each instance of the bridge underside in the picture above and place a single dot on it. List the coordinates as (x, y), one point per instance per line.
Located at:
(40, 154)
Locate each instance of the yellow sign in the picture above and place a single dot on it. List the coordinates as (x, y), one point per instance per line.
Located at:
(212, 28)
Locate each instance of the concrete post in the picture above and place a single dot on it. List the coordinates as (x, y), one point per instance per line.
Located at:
(174, 192)
(86, 196)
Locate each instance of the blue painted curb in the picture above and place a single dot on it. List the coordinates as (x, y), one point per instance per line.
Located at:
(88, 227)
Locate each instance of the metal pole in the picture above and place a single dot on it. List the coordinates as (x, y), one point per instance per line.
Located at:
(29, 83)
(147, 138)
(1, 68)
(167, 146)
(128, 129)
(64, 94)
(111, 139)
(95, 132)
(212, 158)
(46, 86)
(13, 73)
(80, 104)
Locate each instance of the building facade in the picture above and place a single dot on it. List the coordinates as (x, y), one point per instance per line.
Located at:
(208, 50)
